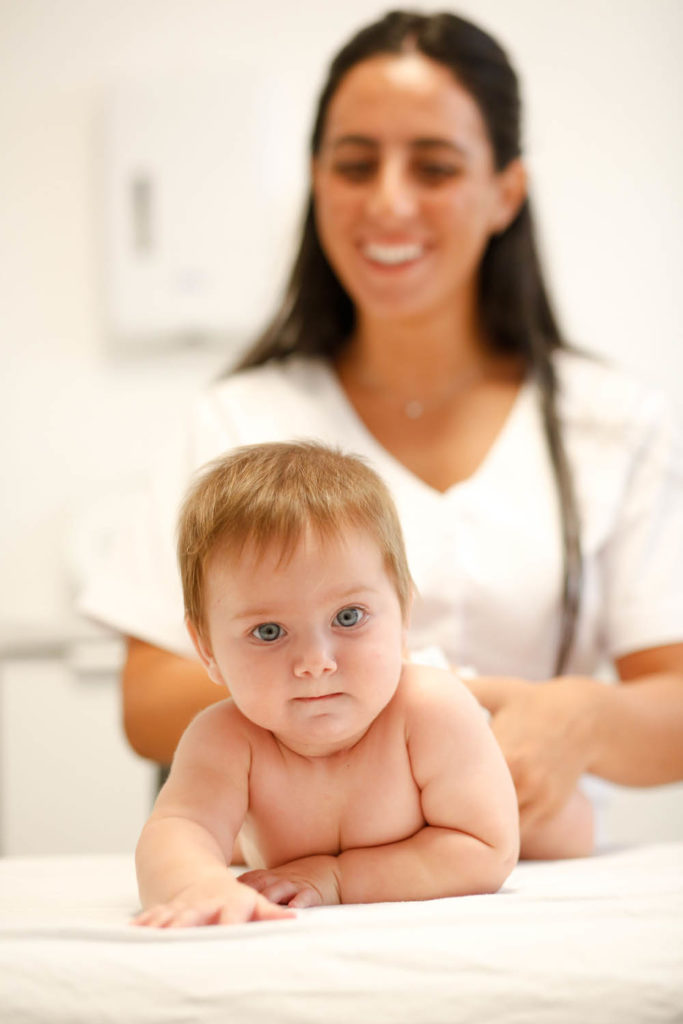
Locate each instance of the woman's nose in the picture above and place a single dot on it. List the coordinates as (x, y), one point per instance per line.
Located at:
(314, 659)
(392, 195)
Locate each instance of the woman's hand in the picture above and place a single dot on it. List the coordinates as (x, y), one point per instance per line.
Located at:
(307, 882)
(545, 731)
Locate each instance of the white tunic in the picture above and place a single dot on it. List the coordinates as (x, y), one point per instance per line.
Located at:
(486, 555)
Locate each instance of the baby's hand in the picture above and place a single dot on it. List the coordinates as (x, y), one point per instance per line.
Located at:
(212, 902)
(307, 882)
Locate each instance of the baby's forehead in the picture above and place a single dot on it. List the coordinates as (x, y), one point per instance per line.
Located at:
(309, 566)
(279, 547)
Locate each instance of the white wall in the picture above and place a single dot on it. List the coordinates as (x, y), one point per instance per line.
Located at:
(602, 80)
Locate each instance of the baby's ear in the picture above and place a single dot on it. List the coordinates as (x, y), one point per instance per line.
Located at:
(205, 653)
(406, 624)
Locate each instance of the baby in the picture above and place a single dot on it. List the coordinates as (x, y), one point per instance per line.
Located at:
(350, 775)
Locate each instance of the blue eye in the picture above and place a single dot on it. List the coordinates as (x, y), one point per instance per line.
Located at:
(348, 617)
(268, 632)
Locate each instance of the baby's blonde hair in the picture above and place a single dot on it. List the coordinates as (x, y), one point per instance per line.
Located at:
(266, 493)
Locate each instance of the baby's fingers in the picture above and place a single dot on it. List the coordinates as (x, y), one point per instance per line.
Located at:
(159, 916)
(264, 910)
(280, 890)
(308, 897)
(257, 879)
(290, 892)
(271, 885)
(174, 915)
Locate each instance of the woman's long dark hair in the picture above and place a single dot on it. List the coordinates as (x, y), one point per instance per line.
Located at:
(317, 315)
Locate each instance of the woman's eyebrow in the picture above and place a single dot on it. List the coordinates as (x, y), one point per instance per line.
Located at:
(354, 140)
(423, 142)
(437, 141)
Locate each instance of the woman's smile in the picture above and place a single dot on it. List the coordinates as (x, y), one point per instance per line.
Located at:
(393, 255)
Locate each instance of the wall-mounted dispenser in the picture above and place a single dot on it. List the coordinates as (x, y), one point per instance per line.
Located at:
(204, 181)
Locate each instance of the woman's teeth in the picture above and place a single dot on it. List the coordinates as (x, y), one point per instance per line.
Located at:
(392, 255)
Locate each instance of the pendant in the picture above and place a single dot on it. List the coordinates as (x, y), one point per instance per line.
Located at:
(413, 409)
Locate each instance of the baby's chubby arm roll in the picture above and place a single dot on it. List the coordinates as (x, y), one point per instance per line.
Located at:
(183, 854)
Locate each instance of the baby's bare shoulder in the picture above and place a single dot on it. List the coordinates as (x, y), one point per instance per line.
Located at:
(424, 686)
(217, 717)
(445, 724)
(219, 731)
(436, 699)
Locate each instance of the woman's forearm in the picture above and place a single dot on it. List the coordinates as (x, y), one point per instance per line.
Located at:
(162, 693)
(637, 735)
(550, 733)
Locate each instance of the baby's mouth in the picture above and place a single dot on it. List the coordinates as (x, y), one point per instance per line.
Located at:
(317, 697)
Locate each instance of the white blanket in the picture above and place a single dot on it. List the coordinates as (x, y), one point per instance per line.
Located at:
(595, 941)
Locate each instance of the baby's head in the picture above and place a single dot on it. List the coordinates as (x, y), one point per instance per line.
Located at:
(268, 494)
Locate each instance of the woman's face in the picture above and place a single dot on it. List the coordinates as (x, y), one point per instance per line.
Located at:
(406, 193)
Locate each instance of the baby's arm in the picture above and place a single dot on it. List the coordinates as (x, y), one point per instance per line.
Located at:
(470, 841)
(183, 854)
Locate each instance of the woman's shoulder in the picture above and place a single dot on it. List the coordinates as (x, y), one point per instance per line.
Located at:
(278, 400)
(593, 392)
(275, 379)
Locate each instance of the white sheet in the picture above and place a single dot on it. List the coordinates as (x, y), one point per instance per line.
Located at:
(595, 941)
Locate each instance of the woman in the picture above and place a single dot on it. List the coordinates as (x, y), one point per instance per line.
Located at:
(539, 490)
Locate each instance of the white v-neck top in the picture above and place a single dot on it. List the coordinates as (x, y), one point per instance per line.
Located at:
(486, 555)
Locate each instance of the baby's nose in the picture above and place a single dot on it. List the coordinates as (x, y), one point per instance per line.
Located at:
(314, 659)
